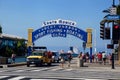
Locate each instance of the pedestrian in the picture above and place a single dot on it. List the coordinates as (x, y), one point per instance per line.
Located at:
(100, 57)
(87, 57)
(62, 62)
(104, 57)
(96, 57)
(93, 58)
(110, 58)
(84, 57)
(13, 57)
(80, 55)
(69, 59)
(49, 54)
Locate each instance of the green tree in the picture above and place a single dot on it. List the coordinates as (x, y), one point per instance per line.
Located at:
(8, 52)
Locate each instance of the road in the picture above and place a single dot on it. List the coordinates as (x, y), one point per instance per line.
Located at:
(55, 72)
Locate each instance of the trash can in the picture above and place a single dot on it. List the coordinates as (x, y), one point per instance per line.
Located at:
(3, 60)
(80, 62)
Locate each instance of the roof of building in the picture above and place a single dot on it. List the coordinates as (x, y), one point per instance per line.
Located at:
(9, 36)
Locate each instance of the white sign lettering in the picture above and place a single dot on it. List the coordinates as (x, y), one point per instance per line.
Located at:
(59, 21)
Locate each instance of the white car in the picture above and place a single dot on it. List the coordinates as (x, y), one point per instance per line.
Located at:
(55, 56)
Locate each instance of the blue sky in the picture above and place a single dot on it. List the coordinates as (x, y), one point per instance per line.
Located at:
(16, 16)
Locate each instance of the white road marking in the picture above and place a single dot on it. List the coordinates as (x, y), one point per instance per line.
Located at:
(18, 71)
(68, 69)
(43, 79)
(17, 78)
(1, 77)
(55, 69)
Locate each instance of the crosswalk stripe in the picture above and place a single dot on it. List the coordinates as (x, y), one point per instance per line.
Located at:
(1, 77)
(18, 71)
(40, 69)
(44, 79)
(53, 78)
(94, 79)
(56, 69)
(37, 70)
(1, 71)
(17, 78)
(68, 69)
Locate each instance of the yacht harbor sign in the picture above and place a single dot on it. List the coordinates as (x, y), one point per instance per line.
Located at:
(59, 28)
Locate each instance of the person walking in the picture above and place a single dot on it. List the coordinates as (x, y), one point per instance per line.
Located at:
(96, 57)
(100, 57)
(110, 58)
(62, 62)
(80, 55)
(13, 57)
(69, 59)
(104, 57)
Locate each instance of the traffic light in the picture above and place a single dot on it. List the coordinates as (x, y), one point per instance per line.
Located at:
(102, 31)
(115, 41)
(115, 32)
(107, 33)
(110, 46)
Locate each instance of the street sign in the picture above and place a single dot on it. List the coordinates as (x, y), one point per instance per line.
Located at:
(113, 17)
(59, 28)
(113, 11)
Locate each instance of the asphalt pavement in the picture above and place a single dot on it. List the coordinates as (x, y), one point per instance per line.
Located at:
(89, 71)
(74, 64)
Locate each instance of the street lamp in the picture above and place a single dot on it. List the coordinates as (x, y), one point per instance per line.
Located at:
(106, 11)
(113, 3)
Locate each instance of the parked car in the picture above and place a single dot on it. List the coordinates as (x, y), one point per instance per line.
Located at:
(55, 56)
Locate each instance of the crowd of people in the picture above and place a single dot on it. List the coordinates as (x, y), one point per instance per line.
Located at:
(100, 57)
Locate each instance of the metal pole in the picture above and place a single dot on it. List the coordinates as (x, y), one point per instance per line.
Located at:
(90, 54)
(113, 66)
(113, 3)
(119, 2)
(95, 42)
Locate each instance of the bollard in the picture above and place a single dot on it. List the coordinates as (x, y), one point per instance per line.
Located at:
(80, 63)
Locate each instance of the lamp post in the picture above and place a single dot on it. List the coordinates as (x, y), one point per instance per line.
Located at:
(119, 2)
(113, 65)
(113, 3)
(95, 49)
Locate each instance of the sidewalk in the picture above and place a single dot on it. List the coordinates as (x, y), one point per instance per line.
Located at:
(72, 65)
(12, 65)
(19, 61)
(93, 65)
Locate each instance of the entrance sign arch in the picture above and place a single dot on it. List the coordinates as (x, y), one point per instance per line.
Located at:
(59, 28)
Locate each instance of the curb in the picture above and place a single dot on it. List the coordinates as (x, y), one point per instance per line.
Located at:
(12, 65)
(3, 66)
